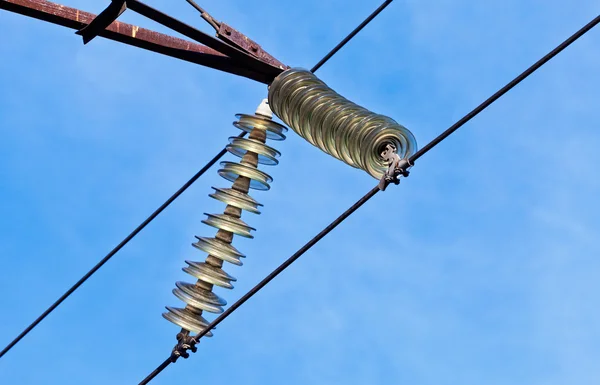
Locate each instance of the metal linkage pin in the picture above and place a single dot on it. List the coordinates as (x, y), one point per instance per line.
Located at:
(396, 167)
(185, 342)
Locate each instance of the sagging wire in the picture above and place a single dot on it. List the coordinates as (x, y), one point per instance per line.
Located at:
(114, 251)
(350, 35)
(397, 168)
(506, 88)
(192, 341)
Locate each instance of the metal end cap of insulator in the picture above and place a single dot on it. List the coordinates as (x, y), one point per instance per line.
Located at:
(264, 109)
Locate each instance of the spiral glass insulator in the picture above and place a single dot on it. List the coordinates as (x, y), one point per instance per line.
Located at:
(199, 297)
(334, 124)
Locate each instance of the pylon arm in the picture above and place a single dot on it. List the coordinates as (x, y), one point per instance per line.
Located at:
(140, 37)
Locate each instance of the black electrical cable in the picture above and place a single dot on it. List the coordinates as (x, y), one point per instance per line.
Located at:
(270, 277)
(374, 191)
(116, 249)
(351, 35)
(506, 88)
(288, 262)
(156, 371)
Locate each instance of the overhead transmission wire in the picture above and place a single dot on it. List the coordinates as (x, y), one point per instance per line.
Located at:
(271, 276)
(376, 189)
(152, 216)
(351, 35)
(116, 249)
(505, 89)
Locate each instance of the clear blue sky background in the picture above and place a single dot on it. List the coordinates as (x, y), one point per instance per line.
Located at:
(481, 268)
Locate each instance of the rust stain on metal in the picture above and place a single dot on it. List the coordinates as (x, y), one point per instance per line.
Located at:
(151, 40)
(76, 19)
(238, 39)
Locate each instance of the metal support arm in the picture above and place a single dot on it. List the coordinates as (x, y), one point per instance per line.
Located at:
(141, 38)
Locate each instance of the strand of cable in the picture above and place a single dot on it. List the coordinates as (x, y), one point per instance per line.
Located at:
(351, 35)
(287, 263)
(114, 251)
(271, 276)
(374, 191)
(506, 88)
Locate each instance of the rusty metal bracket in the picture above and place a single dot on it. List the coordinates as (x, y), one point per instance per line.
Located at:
(214, 54)
(205, 15)
(203, 38)
(103, 20)
(231, 35)
(237, 39)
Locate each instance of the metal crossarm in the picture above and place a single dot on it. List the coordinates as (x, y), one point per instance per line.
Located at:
(256, 65)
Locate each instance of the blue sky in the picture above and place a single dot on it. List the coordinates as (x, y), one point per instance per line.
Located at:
(482, 267)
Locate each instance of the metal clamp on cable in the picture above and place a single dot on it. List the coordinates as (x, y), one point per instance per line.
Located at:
(396, 167)
(184, 342)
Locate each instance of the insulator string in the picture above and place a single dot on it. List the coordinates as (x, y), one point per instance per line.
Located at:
(336, 125)
(245, 175)
(374, 191)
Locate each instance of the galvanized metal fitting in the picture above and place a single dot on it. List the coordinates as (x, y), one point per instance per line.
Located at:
(396, 167)
(185, 342)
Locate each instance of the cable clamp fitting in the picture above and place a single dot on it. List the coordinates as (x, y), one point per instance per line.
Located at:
(185, 342)
(396, 167)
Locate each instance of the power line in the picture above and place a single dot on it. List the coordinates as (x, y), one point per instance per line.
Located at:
(270, 277)
(351, 35)
(116, 249)
(156, 371)
(288, 262)
(372, 193)
(506, 88)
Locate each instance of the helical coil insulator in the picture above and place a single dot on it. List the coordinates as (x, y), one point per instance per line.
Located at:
(336, 125)
(199, 297)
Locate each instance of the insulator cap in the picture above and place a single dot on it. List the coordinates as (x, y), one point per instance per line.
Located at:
(264, 109)
(199, 298)
(219, 249)
(209, 274)
(187, 320)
